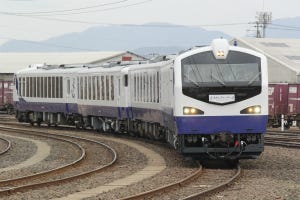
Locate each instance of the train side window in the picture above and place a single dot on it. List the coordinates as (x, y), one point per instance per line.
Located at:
(107, 88)
(53, 87)
(81, 87)
(158, 90)
(141, 88)
(89, 84)
(38, 92)
(94, 86)
(78, 88)
(126, 80)
(56, 87)
(44, 87)
(68, 86)
(134, 87)
(60, 87)
(150, 87)
(102, 88)
(154, 87)
(98, 87)
(112, 86)
(85, 88)
(49, 87)
(30, 87)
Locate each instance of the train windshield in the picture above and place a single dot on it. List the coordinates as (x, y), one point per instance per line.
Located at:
(238, 75)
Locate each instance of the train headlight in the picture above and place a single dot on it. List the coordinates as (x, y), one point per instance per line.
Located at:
(192, 111)
(252, 110)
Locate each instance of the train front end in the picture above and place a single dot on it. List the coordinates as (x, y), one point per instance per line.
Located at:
(221, 102)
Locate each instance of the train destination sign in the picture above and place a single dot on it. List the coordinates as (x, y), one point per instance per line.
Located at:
(222, 98)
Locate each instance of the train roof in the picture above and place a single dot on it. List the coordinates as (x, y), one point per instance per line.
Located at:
(42, 69)
(11, 62)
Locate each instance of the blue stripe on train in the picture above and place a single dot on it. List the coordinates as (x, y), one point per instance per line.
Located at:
(215, 124)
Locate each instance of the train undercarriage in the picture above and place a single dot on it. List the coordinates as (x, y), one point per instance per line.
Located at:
(198, 146)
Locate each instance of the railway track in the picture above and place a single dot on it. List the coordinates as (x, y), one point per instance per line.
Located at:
(5, 145)
(194, 186)
(62, 174)
(284, 139)
(200, 183)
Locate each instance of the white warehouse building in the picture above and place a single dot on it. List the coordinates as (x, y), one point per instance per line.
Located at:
(283, 56)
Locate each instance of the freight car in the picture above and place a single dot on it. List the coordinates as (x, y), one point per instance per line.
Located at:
(6, 96)
(284, 101)
(208, 102)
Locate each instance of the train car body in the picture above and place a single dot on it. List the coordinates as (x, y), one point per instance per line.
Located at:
(209, 102)
(102, 97)
(46, 94)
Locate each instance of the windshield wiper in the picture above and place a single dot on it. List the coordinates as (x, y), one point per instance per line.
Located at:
(192, 81)
(253, 79)
(219, 80)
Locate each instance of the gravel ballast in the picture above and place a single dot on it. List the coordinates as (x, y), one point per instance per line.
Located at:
(274, 175)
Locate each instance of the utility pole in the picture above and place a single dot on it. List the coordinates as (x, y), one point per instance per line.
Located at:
(262, 20)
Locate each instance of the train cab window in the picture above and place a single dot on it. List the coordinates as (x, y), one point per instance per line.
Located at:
(238, 74)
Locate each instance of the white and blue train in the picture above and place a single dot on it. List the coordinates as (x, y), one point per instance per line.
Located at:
(208, 102)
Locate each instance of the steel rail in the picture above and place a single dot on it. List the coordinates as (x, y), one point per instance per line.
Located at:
(216, 188)
(177, 184)
(10, 190)
(8, 146)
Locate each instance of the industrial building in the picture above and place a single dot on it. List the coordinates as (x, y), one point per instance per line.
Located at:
(283, 57)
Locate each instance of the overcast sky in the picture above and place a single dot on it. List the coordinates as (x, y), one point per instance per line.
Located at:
(41, 19)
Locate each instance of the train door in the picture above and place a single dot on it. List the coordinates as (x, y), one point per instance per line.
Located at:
(70, 91)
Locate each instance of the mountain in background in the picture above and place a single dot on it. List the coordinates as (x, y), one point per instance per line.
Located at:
(146, 39)
(284, 28)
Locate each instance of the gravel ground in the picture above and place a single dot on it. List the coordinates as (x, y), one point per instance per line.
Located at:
(275, 175)
(177, 168)
(125, 166)
(61, 153)
(20, 151)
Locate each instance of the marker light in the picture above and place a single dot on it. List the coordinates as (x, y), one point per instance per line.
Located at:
(252, 110)
(192, 111)
(220, 48)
